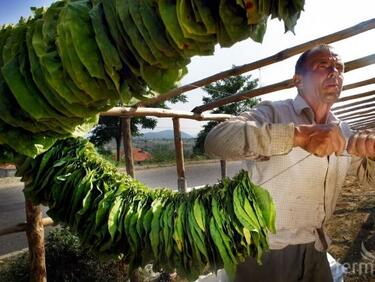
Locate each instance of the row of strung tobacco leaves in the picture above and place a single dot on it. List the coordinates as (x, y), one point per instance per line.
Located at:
(75, 59)
(114, 214)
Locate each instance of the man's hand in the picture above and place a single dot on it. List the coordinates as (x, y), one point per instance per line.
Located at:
(362, 144)
(320, 140)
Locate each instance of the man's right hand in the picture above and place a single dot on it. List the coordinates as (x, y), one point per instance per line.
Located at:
(320, 139)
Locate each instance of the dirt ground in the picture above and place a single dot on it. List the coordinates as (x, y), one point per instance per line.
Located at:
(352, 231)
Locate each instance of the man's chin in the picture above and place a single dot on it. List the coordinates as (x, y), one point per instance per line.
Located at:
(331, 97)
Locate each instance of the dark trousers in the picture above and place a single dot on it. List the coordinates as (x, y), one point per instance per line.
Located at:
(293, 263)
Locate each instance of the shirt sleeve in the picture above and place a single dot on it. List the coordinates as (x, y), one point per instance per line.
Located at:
(364, 167)
(251, 135)
(366, 172)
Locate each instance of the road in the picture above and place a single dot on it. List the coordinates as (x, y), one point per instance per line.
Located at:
(12, 201)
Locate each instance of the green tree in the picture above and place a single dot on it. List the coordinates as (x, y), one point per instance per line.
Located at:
(110, 127)
(221, 89)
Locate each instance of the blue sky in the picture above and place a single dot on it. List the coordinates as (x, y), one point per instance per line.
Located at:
(320, 18)
(11, 11)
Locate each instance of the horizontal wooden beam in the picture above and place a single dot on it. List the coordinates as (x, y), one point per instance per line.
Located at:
(354, 109)
(367, 125)
(280, 56)
(362, 121)
(354, 64)
(245, 95)
(21, 227)
(358, 118)
(356, 96)
(163, 113)
(360, 63)
(365, 101)
(359, 84)
(342, 116)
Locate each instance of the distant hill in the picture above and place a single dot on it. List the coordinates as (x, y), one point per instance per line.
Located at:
(164, 134)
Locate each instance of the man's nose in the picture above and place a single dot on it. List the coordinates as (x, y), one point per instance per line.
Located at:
(333, 71)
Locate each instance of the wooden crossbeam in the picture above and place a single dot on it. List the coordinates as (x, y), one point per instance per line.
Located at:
(21, 227)
(362, 122)
(356, 96)
(359, 84)
(357, 113)
(349, 66)
(354, 109)
(358, 118)
(354, 104)
(163, 113)
(368, 125)
(280, 56)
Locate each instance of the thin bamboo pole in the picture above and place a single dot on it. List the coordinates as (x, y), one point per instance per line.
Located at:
(367, 125)
(359, 84)
(349, 66)
(164, 113)
(245, 95)
(354, 109)
(179, 149)
(360, 63)
(21, 227)
(356, 96)
(356, 114)
(354, 104)
(128, 151)
(35, 238)
(287, 53)
(362, 123)
(357, 117)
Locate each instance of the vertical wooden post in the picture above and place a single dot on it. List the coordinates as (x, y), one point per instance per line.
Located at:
(35, 238)
(179, 148)
(127, 135)
(125, 123)
(223, 166)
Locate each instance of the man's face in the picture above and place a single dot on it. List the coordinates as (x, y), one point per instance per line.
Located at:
(323, 77)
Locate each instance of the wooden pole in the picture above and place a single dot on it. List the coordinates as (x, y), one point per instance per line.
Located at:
(179, 148)
(223, 167)
(287, 53)
(35, 238)
(163, 113)
(359, 84)
(21, 227)
(356, 114)
(353, 97)
(366, 101)
(128, 151)
(362, 123)
(357, 117)
(354, 109)
(349, 66)
(360, 63)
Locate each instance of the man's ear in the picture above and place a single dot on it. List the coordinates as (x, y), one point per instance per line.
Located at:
(297, 81)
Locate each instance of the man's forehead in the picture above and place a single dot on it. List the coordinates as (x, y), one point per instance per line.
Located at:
(323, 53)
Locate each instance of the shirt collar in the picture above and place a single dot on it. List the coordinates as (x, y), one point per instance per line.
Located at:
(299, 104)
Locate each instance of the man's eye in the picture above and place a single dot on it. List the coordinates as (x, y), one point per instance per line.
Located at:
(340, 68)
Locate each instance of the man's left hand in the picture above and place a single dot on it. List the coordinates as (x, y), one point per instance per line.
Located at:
(362, 144)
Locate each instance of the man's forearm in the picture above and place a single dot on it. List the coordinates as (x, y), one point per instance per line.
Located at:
(243, 139)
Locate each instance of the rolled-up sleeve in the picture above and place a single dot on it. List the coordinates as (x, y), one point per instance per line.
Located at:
(366, 172)
(250, 136)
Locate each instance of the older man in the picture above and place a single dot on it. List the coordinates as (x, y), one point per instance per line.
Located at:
(300, 152)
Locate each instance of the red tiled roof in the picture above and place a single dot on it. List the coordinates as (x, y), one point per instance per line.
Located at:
(139, 155)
